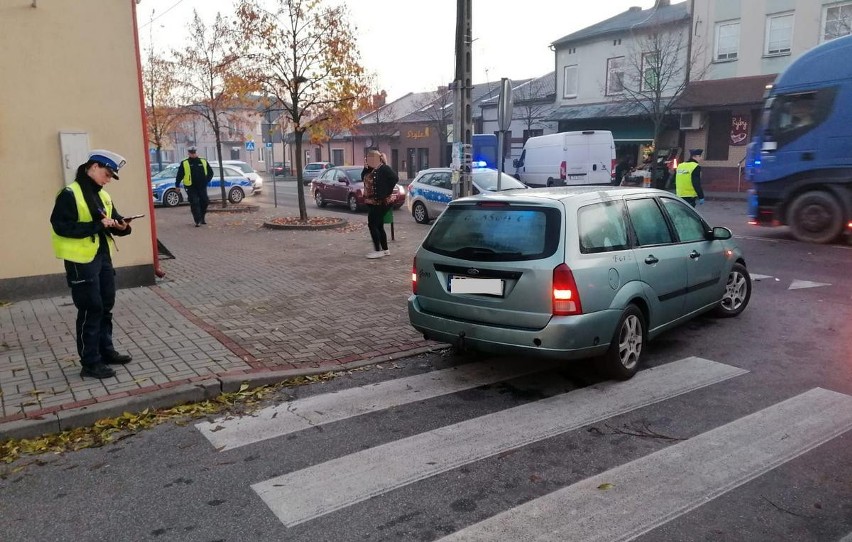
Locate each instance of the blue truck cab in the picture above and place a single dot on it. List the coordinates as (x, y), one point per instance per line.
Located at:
(800, 160)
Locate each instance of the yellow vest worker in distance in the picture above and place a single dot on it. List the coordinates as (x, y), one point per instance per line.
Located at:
(195, 173)
(688, 179)
(84, 222)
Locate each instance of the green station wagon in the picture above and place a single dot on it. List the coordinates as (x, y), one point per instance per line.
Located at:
(572, 273)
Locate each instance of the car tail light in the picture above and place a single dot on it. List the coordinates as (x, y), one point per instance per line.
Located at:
(566, 298)
(613, 163)
(563, 170)
(414, 276)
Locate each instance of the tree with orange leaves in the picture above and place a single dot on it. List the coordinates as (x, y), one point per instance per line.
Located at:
(304, 55)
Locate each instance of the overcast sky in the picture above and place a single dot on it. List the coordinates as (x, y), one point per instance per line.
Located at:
(409, 44)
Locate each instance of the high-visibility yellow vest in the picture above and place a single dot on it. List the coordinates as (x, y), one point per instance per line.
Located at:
(82, 250)
(187, 171)
(683, 180)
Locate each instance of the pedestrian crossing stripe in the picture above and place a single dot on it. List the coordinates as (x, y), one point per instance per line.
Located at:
(800, 284)
(642, 496)
(306, 494)
(292, 416)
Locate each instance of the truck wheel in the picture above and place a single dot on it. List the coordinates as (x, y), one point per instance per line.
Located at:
(815, 217)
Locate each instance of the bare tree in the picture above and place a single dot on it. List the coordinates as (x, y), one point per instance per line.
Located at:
(656, 71)
(436, 110)
(304, 55)
(532, 102)
(209, 79)
(379, 123)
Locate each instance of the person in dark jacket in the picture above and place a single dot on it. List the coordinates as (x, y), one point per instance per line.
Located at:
(195, 173)
(84, 223)
(379, 181)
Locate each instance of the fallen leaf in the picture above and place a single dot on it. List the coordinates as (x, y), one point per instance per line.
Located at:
(605, 486)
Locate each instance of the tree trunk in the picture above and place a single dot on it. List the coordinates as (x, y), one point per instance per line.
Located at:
(300, 187)
(219, 158)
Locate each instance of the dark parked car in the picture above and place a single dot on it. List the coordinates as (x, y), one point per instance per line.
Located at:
(343, 186)
(279, 169)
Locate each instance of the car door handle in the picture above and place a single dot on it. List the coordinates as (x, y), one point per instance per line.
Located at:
(694, 255)
(651, 260)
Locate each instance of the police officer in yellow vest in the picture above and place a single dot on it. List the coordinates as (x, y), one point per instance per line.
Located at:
(688, 179)
(84, 222)
(195, 173)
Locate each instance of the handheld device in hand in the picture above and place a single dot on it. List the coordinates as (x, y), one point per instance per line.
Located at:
(132, 217)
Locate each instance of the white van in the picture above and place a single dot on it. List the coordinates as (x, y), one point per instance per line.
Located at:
(567, 158)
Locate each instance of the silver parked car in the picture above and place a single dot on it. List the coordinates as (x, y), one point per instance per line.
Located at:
(313, 170)
(430, 192)
(572, 272)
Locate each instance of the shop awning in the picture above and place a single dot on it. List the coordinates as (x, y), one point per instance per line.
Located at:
(724, 93)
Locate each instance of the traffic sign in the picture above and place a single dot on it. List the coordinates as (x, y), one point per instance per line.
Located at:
(268, 145)
(249, 145)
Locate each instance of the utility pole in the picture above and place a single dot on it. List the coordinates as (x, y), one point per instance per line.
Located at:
(462, 117)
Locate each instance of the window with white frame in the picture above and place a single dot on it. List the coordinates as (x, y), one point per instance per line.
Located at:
(650, 71)
(837, 21)
(615, 75)
(779, 34)
(569, 82)
(727, 41)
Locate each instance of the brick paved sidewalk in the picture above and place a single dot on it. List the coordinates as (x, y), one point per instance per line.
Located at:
(239, 300)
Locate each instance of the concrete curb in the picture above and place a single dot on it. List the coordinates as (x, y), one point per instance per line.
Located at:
(341, 222)
(177, 395)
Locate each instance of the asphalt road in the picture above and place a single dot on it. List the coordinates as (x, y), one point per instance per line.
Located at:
(735, 430)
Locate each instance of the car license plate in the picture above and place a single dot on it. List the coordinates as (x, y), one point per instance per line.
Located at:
(468, 285)
(576, 177)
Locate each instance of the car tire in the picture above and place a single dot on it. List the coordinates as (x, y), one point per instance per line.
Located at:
(172, 198)
(236, 195)
(622, 359)
(420, 214)
(319, 200)
(815, 217)
(737, 293)
(549, 183)
(352, 203)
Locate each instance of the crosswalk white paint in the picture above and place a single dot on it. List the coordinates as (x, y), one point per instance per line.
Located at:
(755, 277)
(309, 493)
(229, 433)
(800, 284)
(659, 487)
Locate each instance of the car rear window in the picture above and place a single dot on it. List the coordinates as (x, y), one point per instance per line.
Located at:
(495, 232)
(314, 166)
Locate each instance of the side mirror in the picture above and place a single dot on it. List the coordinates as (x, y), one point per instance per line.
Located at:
(515, 163)
(720, 233)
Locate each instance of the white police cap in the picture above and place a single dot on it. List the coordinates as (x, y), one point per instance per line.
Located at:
(109, 159)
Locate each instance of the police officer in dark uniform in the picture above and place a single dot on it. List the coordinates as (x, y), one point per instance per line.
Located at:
(195, 173)
(84, 222)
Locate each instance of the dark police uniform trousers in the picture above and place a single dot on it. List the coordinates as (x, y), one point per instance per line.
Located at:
(93, 292)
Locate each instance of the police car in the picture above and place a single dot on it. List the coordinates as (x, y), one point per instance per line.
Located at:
(432, 190)
(164, 193)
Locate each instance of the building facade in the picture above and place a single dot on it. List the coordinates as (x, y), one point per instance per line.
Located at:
(744, 44)
(610, 75)
(69, 94)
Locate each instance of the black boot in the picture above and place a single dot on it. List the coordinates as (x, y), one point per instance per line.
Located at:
(97, 371)
(114, 358)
